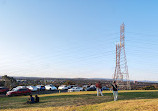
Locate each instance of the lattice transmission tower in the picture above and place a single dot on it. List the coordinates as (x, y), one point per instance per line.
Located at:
(121, 75)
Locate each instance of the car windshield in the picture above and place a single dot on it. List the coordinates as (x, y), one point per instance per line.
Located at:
(14, 89)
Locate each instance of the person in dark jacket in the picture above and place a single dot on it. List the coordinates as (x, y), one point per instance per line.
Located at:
(36, 99)
(30, 100)
(115, 90)
(99, 86)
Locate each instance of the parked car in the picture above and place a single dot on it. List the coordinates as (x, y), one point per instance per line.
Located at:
(40, 87)
(63, 87)
(50, 87)
(75, 89)
(3, 90)
(91, 88)
(19, 91)
(32, 88)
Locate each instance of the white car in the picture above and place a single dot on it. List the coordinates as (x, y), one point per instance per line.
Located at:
(75, 89)
(63, 87)
(32, 88)
(50, 87)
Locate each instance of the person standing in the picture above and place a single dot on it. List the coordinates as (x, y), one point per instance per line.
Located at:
(99, 86)
(115, 90)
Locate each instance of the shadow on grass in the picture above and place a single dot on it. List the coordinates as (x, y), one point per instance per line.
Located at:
(137, 95)
(123, 95)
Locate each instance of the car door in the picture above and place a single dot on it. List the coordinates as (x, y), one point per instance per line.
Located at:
(18, 92)
(78, 89)
(25, 91)
(21, 91)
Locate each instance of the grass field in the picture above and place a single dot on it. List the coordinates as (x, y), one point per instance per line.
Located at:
(85, 101)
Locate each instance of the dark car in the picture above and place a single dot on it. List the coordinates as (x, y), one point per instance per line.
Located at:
(19, 91)
(3, 90)
(40, 87)
(91, 89)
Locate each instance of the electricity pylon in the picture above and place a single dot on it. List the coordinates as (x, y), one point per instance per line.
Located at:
(121, 75)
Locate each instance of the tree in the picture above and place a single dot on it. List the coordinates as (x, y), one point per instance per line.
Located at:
(10, 82)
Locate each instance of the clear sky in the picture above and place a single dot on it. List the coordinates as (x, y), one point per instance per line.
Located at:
(76, 38)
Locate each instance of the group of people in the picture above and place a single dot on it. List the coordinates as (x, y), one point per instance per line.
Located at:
(33, 100)
(114, 88)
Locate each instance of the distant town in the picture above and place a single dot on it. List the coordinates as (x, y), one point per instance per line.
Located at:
(11, 82)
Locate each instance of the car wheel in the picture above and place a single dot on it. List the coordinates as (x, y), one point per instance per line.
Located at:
(11, 95)
(50, 89)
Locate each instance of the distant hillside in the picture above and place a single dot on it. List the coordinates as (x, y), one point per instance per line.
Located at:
(47, 78)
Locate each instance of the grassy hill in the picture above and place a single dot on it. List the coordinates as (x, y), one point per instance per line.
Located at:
(85, 101)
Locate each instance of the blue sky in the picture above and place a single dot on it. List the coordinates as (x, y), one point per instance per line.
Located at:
(76, 38)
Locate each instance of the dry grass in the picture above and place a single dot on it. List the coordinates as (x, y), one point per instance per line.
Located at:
(123, 105)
